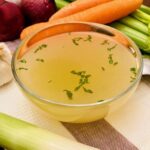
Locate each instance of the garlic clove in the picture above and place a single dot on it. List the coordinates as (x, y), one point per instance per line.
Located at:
(5, 64)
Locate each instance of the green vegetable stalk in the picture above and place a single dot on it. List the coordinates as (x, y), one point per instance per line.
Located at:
(145, 9)
(135, 24)
(19, 135)
(61, 3)
(142, 40)
(141, 16)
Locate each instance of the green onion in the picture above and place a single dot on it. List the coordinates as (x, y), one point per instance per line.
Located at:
(142, 40)
(61, 3)
(135, 24)
(19, 135)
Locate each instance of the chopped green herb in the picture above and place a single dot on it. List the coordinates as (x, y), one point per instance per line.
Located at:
(110, 59)
(40, 48)
(87, 90)
(105, 42)
(100, 100)
(132, 79)
(69, 94)
(133, 70)
(40, 60)
(115, 63)
(111, 48)
(22, 68)
(87, 76)
(78, 87)
(103, 69)
(89, 38)
(80, 73)
(76, 40)
(23, 61)
(84, 79)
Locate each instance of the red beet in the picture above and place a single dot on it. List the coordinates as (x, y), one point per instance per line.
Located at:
(38, 10)
(11, 21)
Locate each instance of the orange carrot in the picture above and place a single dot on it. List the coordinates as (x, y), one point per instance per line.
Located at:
(104, 13)
(28, 30)
(76, 6)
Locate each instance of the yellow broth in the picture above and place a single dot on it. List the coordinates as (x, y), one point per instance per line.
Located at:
(77, 68)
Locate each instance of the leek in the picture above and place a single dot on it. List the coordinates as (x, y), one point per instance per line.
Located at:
(19, 135)
(142, 40)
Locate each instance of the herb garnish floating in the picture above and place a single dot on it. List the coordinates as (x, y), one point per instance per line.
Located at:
(133, 70)
(69, 94)
(23, 61)
(83, 79)
(89, 38)
(105, 42)
(76, 40)
(103, 69)
(100, 100)
(111, 48)
(115, 63)
(40, 60)
(87, 90)
(111, 61)
(40, 48)
(22, 68)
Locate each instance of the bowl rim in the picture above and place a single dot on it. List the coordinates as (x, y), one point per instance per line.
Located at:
(39, 98)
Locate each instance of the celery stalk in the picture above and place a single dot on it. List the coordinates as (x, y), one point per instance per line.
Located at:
(61, 3)
(135, 24)
(19, 135)
(145, 9)
(142, 40)
(141, 16)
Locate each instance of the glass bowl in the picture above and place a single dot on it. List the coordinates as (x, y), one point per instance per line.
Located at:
(79, 113)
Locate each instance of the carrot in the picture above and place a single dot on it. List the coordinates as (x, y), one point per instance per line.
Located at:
(75, 7)
(104, 13)
(28, 30)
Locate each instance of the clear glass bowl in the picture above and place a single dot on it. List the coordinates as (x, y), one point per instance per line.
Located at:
(79, 113)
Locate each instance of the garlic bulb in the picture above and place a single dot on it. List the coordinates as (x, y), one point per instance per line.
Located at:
(5, 64)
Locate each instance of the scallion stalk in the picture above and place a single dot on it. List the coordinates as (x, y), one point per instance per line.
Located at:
(142, 40)
(135, 24)
(19, 135)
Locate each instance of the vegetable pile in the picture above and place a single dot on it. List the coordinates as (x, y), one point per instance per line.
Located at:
(137, 27)
(128, 16)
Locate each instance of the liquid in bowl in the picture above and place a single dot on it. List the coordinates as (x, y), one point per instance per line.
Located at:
(77, 73)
